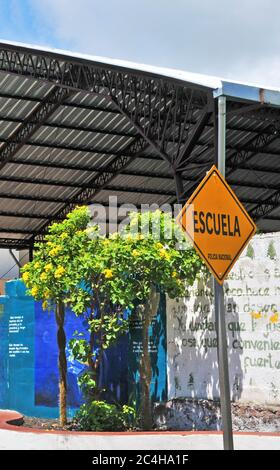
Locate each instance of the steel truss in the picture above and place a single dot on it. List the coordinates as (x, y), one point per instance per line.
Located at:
(168, 116)
(153, 107)
(238, 158)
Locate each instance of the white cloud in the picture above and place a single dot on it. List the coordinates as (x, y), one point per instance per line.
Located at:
(237, 39)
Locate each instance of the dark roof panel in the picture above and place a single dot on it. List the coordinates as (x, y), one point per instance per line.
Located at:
(75, 129)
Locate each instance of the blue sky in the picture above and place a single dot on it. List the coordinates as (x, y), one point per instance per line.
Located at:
(237, 39)
(21, 21)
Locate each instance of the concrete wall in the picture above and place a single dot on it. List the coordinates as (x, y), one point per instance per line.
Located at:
(252, 290)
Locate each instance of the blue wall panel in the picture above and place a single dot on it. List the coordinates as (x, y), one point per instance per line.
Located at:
(28, 357)
(157, 348)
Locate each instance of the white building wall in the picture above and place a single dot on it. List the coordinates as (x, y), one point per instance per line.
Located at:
(253, 344)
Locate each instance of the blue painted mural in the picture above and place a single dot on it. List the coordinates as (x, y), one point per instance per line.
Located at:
(28, 357)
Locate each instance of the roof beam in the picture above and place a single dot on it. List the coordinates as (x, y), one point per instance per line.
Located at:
(66, 183)
(32, 123)
(24, 215)
(66, 104)
(79, 128)
(271, 217)
(128, 172)
(77, 167)
(42, 181)
(24, 231)
(31, 197)
(78, 74)
(12, 243)
(130, 134)
(90, 150)
(265, 207)
(36, 232)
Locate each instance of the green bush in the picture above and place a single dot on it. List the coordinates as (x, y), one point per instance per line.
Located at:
(102, 416)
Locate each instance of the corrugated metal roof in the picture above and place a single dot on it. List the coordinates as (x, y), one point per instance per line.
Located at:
(71, 150)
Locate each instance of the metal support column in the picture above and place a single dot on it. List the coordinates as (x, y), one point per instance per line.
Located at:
(179, 187)
(222, 350)
(31, 252)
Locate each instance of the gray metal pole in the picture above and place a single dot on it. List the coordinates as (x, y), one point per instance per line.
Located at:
(179, 187)
(220, 303)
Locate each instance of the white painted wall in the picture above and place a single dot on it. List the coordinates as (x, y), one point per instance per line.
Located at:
(253, 344)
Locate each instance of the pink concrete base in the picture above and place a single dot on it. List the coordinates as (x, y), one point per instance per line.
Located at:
(10, 420)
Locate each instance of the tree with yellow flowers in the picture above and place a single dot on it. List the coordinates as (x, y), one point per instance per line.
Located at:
(101, 278)
(151, 255)
(55, 273)
(73, 267)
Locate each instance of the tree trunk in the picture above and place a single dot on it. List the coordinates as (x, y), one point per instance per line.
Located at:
(94, 364)
(93, 368)
(149, 311)
(62, 363)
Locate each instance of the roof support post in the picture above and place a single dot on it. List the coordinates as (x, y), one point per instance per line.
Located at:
(30, 252)
(179, 187)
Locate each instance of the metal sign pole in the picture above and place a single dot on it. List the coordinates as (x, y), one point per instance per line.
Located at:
(220, 303)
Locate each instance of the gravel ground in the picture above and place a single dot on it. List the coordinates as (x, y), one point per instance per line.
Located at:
(255, 418)
(48, 424)
(245, 417)
(205, 415)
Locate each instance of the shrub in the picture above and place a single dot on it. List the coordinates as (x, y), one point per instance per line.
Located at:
(102, 416)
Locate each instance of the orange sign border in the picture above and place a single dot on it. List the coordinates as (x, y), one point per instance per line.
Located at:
(212, 170)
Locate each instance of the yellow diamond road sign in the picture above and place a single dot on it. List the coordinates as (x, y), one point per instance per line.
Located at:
(217, 223)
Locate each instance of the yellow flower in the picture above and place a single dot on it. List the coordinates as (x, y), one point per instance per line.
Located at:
(25, 276)
(159, 245)
(63, 236)
(274, 318)
(43, 276)
(106, 241)
(34, 291)
(55, 250)
(46, 294)
(135, 253)
(59, 272)
(140, 236)
(108, 273)
(48, 267)
(163, 254)
(174, 274)
(256, 315)
(45, 305)
(37, 265)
